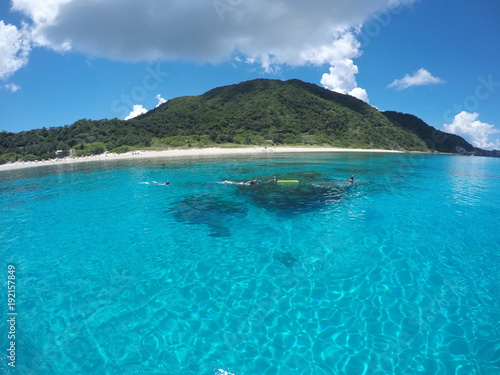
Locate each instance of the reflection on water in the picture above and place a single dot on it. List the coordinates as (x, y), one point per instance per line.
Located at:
(469, 185)
(466, 190)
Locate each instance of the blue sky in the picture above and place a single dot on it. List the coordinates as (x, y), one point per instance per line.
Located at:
(63, 60)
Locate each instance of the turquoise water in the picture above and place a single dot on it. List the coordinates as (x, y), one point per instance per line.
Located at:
(396, 274)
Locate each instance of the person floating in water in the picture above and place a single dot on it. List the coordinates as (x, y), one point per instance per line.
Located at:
(251, 182)
(166, 183)
(351, 180)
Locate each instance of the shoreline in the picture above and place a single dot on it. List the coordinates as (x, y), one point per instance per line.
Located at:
(212, 151)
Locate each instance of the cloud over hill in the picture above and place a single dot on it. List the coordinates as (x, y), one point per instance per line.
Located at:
(270, 33)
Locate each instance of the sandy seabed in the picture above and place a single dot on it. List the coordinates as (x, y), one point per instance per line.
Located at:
(214, 151)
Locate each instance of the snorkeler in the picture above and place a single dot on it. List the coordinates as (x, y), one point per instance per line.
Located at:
(251, 182)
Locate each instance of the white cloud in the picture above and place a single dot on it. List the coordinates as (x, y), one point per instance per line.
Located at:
(359, 93)
(160, 100)
(42, 14)
(190, 29)
(39, 11)
(342, 74)
(420, 78)
(267, 32)
(137, 110)
(478, 133)
(14, 49)
(12, 87)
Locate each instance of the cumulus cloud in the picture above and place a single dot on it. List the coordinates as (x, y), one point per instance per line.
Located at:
(342, 75)
(269, 33)
(190, 29)
(160, 100)
(39, 11)
(12, 87)
(420, 78)
(359, 93)
(478, 133)
(14, 49)
(342, 79)
(137, 110)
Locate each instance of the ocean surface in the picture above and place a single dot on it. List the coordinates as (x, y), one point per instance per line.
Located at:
(397, 273)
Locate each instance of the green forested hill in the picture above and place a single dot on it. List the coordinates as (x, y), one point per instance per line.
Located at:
(434, 139)
(291, 112)
(258, 112)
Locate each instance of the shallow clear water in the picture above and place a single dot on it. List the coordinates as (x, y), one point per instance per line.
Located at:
(396, 274)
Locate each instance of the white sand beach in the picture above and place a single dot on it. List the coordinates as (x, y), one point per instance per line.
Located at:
(213, 151)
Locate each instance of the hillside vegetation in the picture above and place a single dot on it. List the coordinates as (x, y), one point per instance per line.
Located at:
(258, 112)
(277, 112)
(434, 139)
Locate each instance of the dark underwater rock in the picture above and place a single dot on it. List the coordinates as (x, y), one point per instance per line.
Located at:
(286, 258)
(209, 210)
(311, 193)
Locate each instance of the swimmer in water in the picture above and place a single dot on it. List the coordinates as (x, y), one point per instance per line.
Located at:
(351, 180)
(166, 183)
(251, 182)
